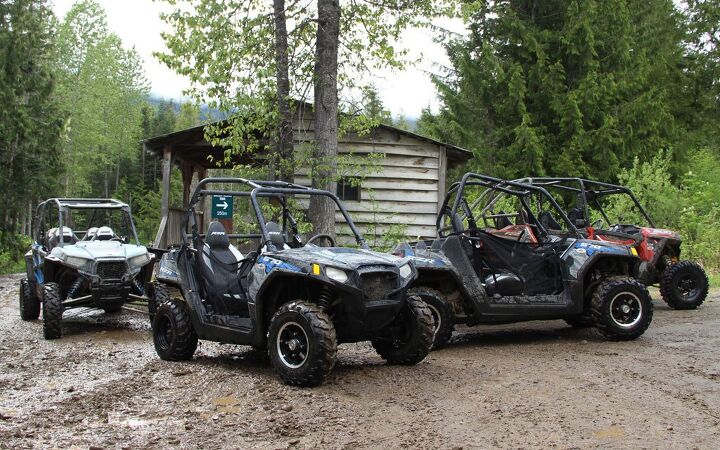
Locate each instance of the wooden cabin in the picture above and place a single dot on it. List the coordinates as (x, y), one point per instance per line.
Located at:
(403, 190)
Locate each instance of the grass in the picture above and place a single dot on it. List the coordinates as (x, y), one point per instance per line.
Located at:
(11, 267)
(714, 278)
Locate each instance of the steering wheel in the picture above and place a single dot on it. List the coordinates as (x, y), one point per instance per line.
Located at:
(325, 236)
(598, 223)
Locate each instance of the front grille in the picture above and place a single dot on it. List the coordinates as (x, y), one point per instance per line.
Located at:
(111, 270)
(378, 285)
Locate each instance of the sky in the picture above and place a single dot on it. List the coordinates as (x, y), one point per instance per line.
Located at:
(138, 24)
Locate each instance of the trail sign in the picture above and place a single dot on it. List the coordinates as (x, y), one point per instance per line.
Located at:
(222, 207)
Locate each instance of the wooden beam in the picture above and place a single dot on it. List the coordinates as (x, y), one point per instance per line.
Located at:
(442, 175)
(187, 171)
(161, 235)
(204, 204)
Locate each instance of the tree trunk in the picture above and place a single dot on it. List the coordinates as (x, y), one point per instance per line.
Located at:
(284, 152)
(322, 209)
(117, 174)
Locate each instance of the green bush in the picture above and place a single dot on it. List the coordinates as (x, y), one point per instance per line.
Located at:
(690, 206)
(12, 249)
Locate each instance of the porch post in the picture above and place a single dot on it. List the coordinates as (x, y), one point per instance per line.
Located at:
(204, 205)
(161, 236)
(187, 175)
(442, 174)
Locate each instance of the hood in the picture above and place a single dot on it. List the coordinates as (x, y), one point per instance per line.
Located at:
(100, 249)
(342, 257)
(660, 233)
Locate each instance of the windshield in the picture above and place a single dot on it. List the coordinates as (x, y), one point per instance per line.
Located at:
(72, 224)
(99, 224)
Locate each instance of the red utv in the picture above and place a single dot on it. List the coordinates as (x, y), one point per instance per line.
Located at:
(683, 283)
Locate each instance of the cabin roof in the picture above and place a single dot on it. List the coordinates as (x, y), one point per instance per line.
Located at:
(190, 145)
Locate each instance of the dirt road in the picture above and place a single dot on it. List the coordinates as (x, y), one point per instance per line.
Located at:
(533, 385)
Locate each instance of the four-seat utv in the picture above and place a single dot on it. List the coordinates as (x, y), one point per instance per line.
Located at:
(86, 254)
(496, 262)
(293, 297)
(683, 283)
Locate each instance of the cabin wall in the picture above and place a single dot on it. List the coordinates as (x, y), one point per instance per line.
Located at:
(401, 191)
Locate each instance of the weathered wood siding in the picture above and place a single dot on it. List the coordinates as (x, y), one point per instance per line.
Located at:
(404, 188)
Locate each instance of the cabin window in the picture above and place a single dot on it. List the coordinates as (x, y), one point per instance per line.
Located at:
(348, 188)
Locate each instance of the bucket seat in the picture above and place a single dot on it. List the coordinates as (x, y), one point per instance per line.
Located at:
(220, 265)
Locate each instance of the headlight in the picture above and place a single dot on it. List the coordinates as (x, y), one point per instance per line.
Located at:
(78, 263)
(336, 274)
(405, 271)
(139, 261)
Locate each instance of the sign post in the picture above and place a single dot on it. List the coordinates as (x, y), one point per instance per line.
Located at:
(222, 209)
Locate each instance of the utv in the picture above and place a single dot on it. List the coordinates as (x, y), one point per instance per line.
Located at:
(295, 298)
(683, 283)
(103, 266)
(492, 266)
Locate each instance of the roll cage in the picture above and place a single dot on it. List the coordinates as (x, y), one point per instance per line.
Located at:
(65, 204)
(258, 189)
(589, 191)
(461, 209)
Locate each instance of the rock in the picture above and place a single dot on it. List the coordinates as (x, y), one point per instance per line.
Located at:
(286, 408)
(669, 428)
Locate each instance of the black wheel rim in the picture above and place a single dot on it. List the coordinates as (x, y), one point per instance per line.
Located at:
(688, 287)
(626, 310)
(165, 333)
(292, 345)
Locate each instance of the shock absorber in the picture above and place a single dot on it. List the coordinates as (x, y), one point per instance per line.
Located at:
(75, 288)
(324, 297)
(138, 287)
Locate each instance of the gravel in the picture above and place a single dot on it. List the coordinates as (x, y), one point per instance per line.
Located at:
(530, 385)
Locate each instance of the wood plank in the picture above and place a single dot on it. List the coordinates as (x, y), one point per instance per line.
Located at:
(410, 173)
(369, 146)
(377, 183)
(442, 172)
(389, 148)
(401, 161)
(397, 195)
(400, 185)
(412, 232)
(389, 207)
(409, 161)
(390, 218)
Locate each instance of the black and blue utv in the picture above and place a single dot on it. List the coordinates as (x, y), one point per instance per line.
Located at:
(293, 297)
(496, 261)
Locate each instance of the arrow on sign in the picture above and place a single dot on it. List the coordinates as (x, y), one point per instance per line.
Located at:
(224, 205)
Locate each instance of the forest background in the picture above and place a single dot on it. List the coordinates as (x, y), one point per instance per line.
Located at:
(614, 90)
